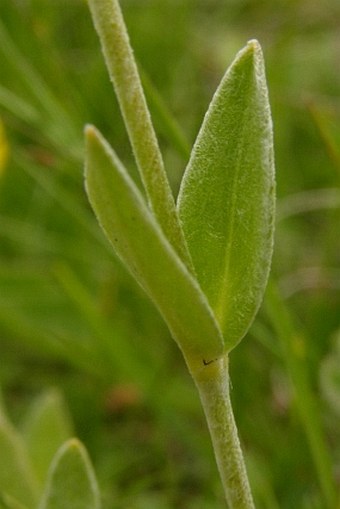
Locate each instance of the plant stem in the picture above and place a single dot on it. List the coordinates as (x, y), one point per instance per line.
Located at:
(213, 385)
(122, 67)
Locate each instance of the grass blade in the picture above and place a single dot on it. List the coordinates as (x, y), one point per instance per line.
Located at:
(294, 349)
(166, 121)
(35, 84)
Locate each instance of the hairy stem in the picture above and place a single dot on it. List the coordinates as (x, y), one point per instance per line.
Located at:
(213, 385)
(121, 64)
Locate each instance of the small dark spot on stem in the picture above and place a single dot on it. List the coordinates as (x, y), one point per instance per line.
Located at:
(206, 363)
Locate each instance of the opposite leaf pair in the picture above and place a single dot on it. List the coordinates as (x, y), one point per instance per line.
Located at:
(225, 208)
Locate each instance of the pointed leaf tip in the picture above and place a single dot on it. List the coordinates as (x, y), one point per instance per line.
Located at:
(226, 200)
(47, 426)
(90, 131)
(72, 482)
(253, 44)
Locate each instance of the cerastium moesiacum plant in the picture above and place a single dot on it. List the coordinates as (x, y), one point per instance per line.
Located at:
(204, 261)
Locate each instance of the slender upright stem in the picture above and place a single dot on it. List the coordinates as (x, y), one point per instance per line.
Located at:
(122, 67)
(213, 385)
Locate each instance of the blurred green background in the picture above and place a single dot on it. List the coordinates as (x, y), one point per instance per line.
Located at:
(70, 315)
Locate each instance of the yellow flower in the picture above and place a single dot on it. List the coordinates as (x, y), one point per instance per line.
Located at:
(4, 148)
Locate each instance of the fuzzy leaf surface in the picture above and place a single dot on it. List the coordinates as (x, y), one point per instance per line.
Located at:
(226, 200)
(140, 243)
(71, 483)
(120, 62)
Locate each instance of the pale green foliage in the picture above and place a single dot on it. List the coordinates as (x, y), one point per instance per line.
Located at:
(226, 207)
(71, 483)
(140, 243)
(123, 71)
(330, 378)
(46, 428)
(226, 201)
(17, 477)
(25, 461)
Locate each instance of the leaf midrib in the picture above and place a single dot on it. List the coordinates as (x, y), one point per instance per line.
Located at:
(220, 306)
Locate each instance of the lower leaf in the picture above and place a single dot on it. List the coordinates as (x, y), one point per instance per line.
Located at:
(71, 483)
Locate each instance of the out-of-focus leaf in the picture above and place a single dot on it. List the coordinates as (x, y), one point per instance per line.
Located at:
(18, 106)
(324, 117)
(330, 378)
(226, 201)
(47, 427)
(140, 243)
(65, 133)
(8, 502)
(16, 473)
(72, 483)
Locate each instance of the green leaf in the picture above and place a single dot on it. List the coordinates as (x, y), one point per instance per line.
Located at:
(142, 246)
(226, 200)
(16, 473)
(8, 502)
(120, 62)
(71, 483)
(47, 427)
(330, 378)
(2, 407)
